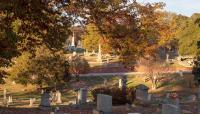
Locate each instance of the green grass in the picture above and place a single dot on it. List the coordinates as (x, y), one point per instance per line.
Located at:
(26, 92)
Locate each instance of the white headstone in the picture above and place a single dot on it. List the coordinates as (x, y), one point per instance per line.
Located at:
(82, 96)
(58, 97)
(42, 91)
(104, 103)
(10, 99)
(74, 53)
(4, 93)
(120, 83)
(107, 60)
(73, 40)
(31, 101)
(180, 72)
(99, 54)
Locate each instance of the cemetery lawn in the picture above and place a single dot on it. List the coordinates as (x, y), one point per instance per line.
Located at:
(21, 94)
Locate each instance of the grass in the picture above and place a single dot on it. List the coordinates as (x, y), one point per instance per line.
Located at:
(21, 94)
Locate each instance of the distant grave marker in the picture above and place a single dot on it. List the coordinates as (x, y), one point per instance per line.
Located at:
(142, 92)
(10, 100)
(58, 97)
(170, 109)
(45, 101)
(104, 104)
(82, 96)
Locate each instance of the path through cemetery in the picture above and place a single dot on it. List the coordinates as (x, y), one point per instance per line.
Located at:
(128, 73)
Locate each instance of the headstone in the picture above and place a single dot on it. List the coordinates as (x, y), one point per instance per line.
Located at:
(180, 72)
(142, 92)
(192, 98)
(4, 94)
(107, 60)
(122, 84)
(58, 97)
(104, 103)
(10, 99)
(42, 91)
(74, 53)
(167, 95)
(99, 59)
(105, 81)
(57, 110)
(167, 57)
(73, 40)
(82, 96)
(149, 97)
(170, 109)
(45, 101)
(32, 100)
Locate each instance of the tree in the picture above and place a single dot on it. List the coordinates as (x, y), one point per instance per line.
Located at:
(78, 65)
(45, 69)
(92, 38)
(188, 34)
(24, 25)
(133, 29)
(154, 70)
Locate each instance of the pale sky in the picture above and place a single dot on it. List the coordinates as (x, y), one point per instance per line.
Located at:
(184, 7)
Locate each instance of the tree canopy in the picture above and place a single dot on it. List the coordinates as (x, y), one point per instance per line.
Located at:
(188, 34)
(131, 28)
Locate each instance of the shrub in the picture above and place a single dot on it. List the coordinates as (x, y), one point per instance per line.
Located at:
(118, 97)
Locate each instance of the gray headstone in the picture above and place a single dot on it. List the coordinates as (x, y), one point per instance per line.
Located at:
(82, 96)
(167, 95)
(142, 92)
(45, 101)
(104, 103)
(149, 98)
(170, 109)
(192, 98)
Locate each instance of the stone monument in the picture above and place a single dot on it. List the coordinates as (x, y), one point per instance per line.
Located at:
(104, 104)
(82, 95)
(170, 109)
(58, 97)
(122, 84)
(99, 59)
(142, 92)
(45, 101)
(10, 99)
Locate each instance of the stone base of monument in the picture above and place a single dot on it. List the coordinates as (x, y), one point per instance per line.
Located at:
(101, 112)
(44, 107)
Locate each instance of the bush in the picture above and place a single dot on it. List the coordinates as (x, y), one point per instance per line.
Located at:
(118, 97)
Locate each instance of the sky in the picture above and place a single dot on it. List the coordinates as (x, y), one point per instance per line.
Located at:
(184, 7)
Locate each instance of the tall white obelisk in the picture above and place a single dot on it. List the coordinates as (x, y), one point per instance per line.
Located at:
(73, 45)
(99, 54)
(73, 41)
